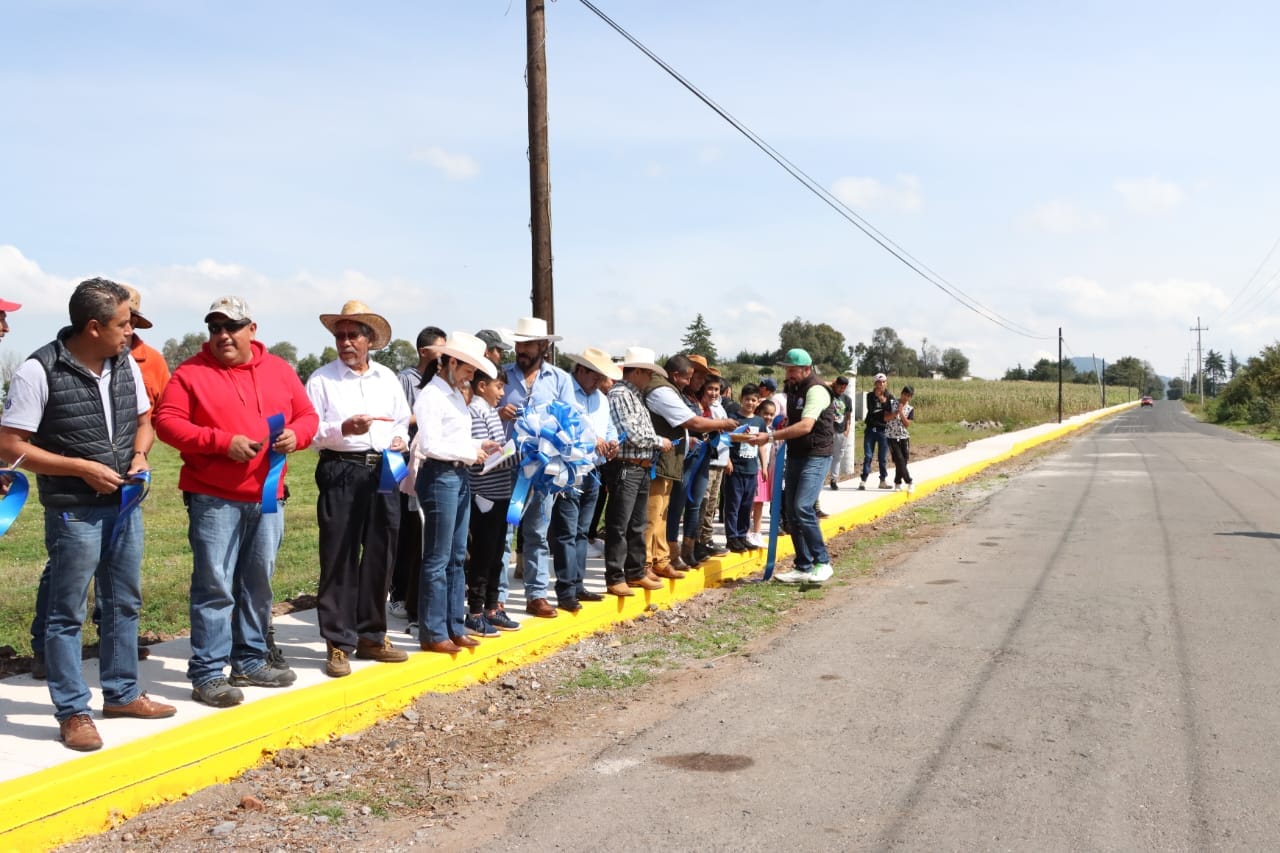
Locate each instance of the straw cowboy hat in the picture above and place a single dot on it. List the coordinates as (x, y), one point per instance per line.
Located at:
(532, 329)
(357, 312)
(467, 348)
(135, 308)
(643, 358)
(700, 365)
(597, 360)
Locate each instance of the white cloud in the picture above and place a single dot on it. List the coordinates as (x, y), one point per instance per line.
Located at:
(457, 167)
(871, 193)
(31, 287)
(1170, 300)
(1150, 195)
(1061, 217)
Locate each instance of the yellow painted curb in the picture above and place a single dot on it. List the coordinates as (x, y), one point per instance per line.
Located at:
(93, 793)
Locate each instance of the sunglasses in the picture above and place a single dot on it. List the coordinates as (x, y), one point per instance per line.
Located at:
(229, 327)
(347, 336)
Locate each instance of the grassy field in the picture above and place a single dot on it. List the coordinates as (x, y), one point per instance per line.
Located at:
(166, 569)
(166, 566)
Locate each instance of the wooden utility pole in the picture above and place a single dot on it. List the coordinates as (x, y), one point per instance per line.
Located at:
(539, 169)
(1197, 328)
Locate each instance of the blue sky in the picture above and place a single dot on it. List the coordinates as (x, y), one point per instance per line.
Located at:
(1104, 167)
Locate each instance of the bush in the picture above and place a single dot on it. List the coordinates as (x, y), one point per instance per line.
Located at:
(1259, 411)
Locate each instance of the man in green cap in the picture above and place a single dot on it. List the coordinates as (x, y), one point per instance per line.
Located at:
(809, 435)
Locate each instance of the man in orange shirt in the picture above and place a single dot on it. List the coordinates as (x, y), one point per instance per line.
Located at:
(155, 372)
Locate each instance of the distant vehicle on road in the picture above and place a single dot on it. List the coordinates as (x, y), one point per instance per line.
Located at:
(1147, 401)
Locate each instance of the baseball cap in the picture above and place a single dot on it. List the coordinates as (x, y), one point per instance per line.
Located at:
(493, 339)
(796, 358)
(232, 307)
(6, 305)
(841, 380)
(769, 382)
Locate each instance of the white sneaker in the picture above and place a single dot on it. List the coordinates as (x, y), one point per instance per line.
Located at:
(412, 630)
(397, 609)
(792, 576)
(821, 572)
(755, 541)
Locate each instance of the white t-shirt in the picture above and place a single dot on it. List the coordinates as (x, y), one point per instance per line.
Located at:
(29, 394)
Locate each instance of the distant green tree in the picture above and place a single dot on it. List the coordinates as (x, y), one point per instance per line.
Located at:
(930, 359)
(1043, 371)
(697, 340)
(823, 342)
(1215, 370)
(1176, 388)
(954, 363)
(285, 350)
(1233, 363)
(328, 354)
(307, 365)
(397, 355)
(175, 352)
(887, 353)
(1015, 373)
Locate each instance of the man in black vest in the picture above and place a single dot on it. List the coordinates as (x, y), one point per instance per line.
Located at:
(809, 436)
(79, 414)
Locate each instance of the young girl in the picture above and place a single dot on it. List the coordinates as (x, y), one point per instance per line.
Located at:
(491, 494)
(765, 473)
(900, 439)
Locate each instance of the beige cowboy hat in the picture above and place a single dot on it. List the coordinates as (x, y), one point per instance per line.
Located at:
(643, 358)
(135, 308)
(467, 348)
(597, 360)
(701, 366)
(532, 329)
(357, 312)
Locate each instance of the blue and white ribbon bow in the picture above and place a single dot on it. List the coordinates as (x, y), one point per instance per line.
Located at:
(553, 453)
(14, 499)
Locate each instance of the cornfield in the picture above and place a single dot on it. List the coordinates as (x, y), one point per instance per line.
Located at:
(1013, 404)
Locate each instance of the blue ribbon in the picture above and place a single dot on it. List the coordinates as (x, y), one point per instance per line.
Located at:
(553, 454)
(393, 471)
(15, 499)
(701, 457)
(775, 511)
(132, 493)
(275, 465)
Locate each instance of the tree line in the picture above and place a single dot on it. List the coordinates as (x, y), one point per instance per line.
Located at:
(398, 355)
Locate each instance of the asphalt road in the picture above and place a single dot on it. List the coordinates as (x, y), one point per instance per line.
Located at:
(1091, 662)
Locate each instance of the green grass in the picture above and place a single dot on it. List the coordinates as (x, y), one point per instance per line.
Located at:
(597, 677)
(166, 563)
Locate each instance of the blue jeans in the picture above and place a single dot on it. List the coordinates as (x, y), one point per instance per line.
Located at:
(233, 552)
(872, 439)
(534, 527)
(78, 540)
(569, 524)
(740, 495)
(445, 494)
(687, 508)
(803, 482)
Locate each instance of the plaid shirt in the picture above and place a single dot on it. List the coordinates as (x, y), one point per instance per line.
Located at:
(631, 418)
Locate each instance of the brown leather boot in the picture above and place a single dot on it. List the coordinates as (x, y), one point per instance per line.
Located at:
(676, 561)
(669, 572)
(687, 553)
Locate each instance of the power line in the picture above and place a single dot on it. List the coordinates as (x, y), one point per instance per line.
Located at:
(905, 257)
(1251, 302)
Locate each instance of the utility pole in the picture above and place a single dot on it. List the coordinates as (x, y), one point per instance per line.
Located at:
(1199, 358)
(539, 167)
(1059, 374)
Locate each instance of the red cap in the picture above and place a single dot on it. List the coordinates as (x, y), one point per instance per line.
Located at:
(6, 305)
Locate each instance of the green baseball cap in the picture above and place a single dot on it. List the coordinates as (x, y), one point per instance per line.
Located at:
(796, 358)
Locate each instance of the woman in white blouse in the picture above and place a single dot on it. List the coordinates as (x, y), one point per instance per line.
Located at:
(444, 490)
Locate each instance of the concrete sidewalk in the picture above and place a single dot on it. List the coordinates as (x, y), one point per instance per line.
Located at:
(50, 795)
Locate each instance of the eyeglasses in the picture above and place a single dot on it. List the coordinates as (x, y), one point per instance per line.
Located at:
(347, 336)
(229, 327)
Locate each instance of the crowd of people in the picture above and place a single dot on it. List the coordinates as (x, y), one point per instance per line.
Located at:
(418, 484)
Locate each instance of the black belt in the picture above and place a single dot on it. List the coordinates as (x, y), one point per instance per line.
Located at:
(452, 463)
(638, 463)
(369, 458)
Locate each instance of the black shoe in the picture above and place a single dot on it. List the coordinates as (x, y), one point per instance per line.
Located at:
(588, 595)
(569, 605)
(38, 670)
(818, 511)
(738, 546)
(835, 487)
(716, 550)
(701, 553)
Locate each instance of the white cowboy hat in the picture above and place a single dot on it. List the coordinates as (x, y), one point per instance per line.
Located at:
(357, 312)
(642, 357)
(597, 360)
(532, 329)
(468, 348)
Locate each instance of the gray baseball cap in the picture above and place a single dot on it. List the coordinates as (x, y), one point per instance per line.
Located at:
(232, 307)
(493, 339)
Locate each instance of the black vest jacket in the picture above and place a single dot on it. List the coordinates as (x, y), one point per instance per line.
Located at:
(75, 425)
(670, 462)
(820, 440)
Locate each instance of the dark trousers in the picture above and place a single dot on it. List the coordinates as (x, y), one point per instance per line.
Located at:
(486, 557)
(404, 579)
(568, 534)
(624, 522)
(359, 529)
(602, 498)
(900, 449)
(740, 493)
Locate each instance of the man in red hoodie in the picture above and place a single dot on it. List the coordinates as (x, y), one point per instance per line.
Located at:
(215, 411)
